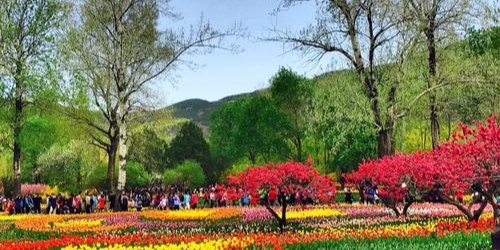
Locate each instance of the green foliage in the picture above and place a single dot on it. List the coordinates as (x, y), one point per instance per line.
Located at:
(481, 42)
(189, 143)
(38, 135)
(137, 176)
(66, 166)
(7, 184)
(29, 33)
(251, 127)
(339, 128)
(292, 94)
(97, 177)
(189, 174)
(148, 150)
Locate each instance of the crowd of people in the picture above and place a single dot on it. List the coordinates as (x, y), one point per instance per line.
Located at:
(169, 198)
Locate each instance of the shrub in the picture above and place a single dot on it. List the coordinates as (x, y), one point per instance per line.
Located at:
(188, 174)
(137, 176)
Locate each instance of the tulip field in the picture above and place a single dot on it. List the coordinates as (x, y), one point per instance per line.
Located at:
(427, 226)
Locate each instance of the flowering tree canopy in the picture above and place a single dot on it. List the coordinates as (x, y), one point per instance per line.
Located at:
(288, 179)
(470, 162)
(394, 176)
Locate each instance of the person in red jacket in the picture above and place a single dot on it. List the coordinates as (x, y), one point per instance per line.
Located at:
(194, 199)
(206, 198)
(9, 207)
(102, 203)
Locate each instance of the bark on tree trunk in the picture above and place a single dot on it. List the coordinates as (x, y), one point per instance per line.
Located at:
(495, 240)
(431, 47)
(366, 75)
(110, 178)
(388, 202)
(435, 134)
(16, 166)
(17, 128)
(384, 142)
(121, 87)
(407, 207)
(495, 236)
(283, 213)
(466, 211)
(252, 157)
(280, 219)
(298, 146)
(122, 147)
(476, 215)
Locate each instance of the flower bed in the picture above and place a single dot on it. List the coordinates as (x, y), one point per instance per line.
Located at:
(241, 228)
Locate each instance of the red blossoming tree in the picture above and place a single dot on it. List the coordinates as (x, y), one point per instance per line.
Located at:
(467, 163)
(470, 162)
(288, 178)
(395, 176)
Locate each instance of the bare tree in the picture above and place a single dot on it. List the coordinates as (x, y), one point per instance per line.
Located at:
(376, 40)
(120, 45)
(438, 20)
(357, 31)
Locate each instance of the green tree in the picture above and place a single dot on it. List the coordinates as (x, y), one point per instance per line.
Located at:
(38, 135)
(370, 38)
(149, 150)
(338, 124)
(137, 175)
(189, 143)
(28, 30)
(436, 19)
(292, 93)
(122, 49)
(485, 41)
(189, 174)
(66, 166)
(251, 127)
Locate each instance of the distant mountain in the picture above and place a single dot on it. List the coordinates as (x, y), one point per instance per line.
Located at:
(199, 110)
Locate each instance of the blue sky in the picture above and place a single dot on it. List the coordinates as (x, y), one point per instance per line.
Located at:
(223, 73)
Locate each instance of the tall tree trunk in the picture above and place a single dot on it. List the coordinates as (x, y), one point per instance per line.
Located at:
(298, 146)
(407, 206)
(367, 76)
(280, 219)
(110, 178)
(449, 127)
(384, 142)
(121, 87)
(435, 134)
(16, 166)
(122, 149)
(252, 157)
(325, 156)
(425, 139)
(495, 236)
(431, 81)
(17, 128)
(283, 212)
